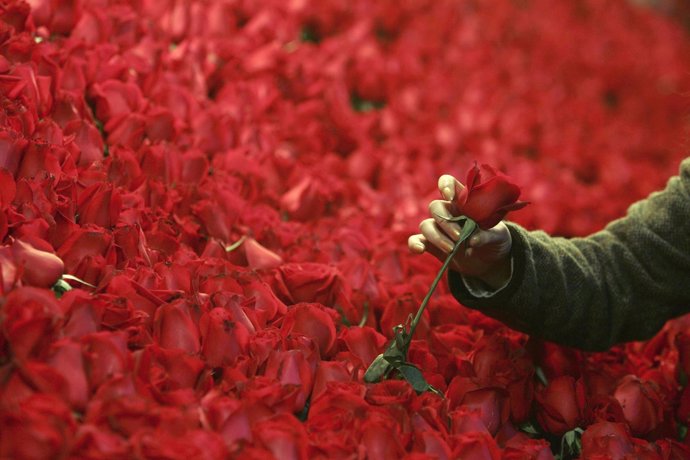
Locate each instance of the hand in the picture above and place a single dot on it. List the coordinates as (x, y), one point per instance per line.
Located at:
(486, 255)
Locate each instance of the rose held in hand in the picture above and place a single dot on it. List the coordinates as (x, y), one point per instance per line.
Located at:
(488, 196)
(483, 202)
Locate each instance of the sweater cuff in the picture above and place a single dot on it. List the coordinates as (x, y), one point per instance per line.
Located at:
(501, 298)
(479, 289)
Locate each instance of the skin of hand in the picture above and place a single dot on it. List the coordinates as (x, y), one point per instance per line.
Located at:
(486, 255)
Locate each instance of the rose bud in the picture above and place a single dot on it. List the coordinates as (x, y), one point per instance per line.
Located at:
(313, 321)
(488, 196)
(173, 327)
(522, 447)
(641, 404)
(606, 439)
(95, 442)
(308, 282)
(477, 446)
(106, 356)
(283, 435)
(561, 405)
(223, 339)
(66, 358)
(41, 427)
(328, 371)
(292, 369)
(31, 319)
(40, 267)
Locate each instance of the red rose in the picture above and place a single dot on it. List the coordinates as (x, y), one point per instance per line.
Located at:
(683, 409)
(127, 131)
(160, 125)
(173, 327)
(8, 186)
(609, 440)
(522, 447)
(231, 417)
(308, 282)
(431, 443)
(98, 443)
(106, 356)
(283, 435)
(89, 141)
(265, 304)
(41, 427)
(30, 319)
(197, 444)
(488, 196)
(66, 358)
(83, 313)
(390, 392)
(12, 147)
(115, 98)
(328, 371)
(171, 373)
(398, 310)
(84, 253)
(313, 321)
(99, 204)
(555, 360)
(466, 420)
(477, 446)
(308, 199)
(32, 377)
(641, 403)
(491, 402)
(381, 438)
(364, 343)
(223, 339)
(39, 267)
(293, 369)
(561, 405)
(672, 450)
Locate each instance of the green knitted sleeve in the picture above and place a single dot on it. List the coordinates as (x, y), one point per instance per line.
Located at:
(620, 284)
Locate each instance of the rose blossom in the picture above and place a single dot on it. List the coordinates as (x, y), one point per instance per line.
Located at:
(39, 266)
(561, 405)
(641, 404)
(610, 440)
(488, 196)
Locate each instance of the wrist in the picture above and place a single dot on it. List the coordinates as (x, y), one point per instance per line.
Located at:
(498, 275)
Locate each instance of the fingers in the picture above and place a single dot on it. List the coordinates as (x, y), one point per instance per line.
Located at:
(435, 236)
(450, 187)
(418, 244)
(441, 212)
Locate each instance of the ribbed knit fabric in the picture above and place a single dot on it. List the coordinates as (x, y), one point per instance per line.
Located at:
(620, 284)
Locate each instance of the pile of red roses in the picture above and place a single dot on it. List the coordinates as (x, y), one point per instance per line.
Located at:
(204, 209)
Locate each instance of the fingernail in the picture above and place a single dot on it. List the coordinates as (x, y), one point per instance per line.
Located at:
(418, 247)
(447, 193)
(474, 240)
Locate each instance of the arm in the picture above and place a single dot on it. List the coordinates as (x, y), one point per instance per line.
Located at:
(622, 283)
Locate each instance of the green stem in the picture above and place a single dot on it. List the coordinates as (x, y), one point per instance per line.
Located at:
(467, 230)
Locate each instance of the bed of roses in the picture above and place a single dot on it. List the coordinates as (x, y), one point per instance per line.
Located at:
(204, 209)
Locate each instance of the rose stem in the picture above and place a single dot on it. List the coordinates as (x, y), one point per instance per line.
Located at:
(440, 273)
